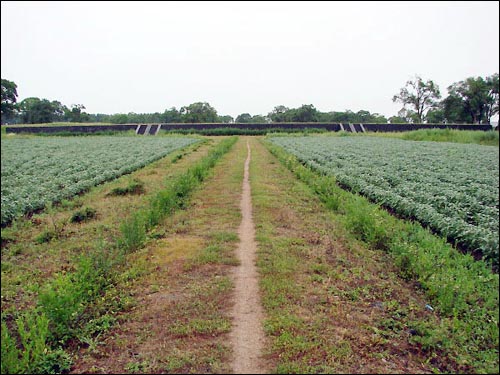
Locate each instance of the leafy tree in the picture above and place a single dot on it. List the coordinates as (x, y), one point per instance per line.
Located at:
(475, 99)
(9, 99)
(38, 111)
(259, 119)
(419, 96)
(436, 116)
(226, 119)
(172, 115)
(279, 114)
(454, 110)
(409, 116)
(199, 112)
(244, 118)
(306, 113)
(76, 114)
(119, 118)
(397, 120)
(377, 118)
(493, 97)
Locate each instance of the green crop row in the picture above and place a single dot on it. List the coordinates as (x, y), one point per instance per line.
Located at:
(449, 187)
(41, 170)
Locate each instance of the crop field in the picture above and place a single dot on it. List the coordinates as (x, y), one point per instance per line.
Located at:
(449, 187)
(38, 171)
(346, 254)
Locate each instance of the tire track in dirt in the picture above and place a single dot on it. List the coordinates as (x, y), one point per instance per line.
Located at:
(247, 336)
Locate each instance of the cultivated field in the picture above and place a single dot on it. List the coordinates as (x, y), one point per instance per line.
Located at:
(39, 171)
(449, 187)
(138, 273)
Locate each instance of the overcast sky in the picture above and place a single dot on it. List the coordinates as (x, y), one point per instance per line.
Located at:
(120, 57)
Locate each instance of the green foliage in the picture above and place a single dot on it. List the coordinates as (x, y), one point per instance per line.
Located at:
(363, 222)
(46, 236)
(8, 99)
(60, 301)
(33, 355)
(198, 113)
(489, 138)
(236, 131)
(166, 201)
(134, 187)
(420, 96)
(133, 232)
(84, 214)
(63, 299)
(38, 111)
(475, 99)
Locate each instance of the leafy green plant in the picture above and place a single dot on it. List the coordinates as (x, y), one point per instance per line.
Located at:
(84, 214)
(45, 236)
(33, 355)
(134, 187)
(133, 232)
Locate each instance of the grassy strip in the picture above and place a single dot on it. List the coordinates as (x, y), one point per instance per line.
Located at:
(464, 292)
(64, 303)
(485, 138)
(174, 197)
(182, 299)
(238, 131)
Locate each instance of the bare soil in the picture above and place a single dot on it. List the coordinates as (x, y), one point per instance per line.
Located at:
(247, 336)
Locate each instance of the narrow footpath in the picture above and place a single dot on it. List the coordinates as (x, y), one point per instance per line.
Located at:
(247, 336)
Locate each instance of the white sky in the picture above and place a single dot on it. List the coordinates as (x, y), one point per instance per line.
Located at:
(120, 57)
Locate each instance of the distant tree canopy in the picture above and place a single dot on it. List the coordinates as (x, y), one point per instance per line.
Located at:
(9, 99)
(35, 111)
(419, 96)
(199, 112)
(473, 100)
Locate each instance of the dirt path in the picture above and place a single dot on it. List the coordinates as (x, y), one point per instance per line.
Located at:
(247, 336)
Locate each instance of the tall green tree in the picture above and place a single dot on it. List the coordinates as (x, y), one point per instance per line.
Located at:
(305, 113)
(419, 96)
(493, 97)
(279, 114)
(76, 113)
(435, 115)
(9, 99)
(259, 119)
(477, 96)
(199, 112)
(172, 115)
(454, 110)
(225, 119)
(244, 118)
(38, 111)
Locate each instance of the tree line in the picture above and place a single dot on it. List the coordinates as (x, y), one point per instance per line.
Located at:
(474, 101)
